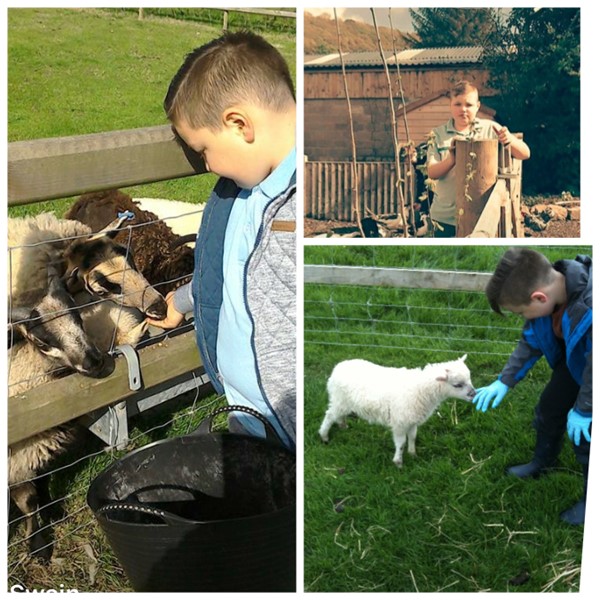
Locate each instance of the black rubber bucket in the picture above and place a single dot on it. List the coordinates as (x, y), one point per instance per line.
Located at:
(211, 511)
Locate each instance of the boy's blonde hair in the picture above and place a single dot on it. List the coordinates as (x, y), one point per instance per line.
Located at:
(463, 87)
(237, 68)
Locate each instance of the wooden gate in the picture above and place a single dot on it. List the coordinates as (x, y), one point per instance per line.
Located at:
(328, 191)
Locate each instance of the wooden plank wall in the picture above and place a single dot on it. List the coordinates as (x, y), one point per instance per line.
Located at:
(328, 191)
(371, 83)
(327, 129)
(326, 121)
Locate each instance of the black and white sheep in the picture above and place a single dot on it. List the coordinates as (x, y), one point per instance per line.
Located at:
(94, 262)
(398, 398)
(51, 342)
(158, 252)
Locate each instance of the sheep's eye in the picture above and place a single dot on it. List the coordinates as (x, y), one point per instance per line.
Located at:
(458, 385)
(41, 345)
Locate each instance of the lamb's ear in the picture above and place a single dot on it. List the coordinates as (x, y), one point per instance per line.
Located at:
(464, 358)
(443, 377)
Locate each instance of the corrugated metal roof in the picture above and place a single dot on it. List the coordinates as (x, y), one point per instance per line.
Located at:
(407, 58)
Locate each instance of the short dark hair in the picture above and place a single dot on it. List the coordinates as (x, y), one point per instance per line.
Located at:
(518, 274)
(239, 67)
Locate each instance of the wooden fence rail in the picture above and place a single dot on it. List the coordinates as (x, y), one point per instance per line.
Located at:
(61, 167)
(430, 279)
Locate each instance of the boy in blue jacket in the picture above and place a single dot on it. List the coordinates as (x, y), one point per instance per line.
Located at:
(232, 101)
(556, 301)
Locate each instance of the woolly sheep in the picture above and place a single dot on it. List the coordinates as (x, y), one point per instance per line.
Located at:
(160, 255)
(183, 218)
(399, 398)
(52, 341)
(86, 260)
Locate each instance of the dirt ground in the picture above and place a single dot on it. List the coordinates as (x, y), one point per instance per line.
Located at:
(555, 228)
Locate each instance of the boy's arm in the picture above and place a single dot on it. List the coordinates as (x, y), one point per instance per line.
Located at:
(437, 169)
(524, 356)
(518, 148)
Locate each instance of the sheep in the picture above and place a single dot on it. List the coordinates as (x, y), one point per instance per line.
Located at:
(399, 398)
(157, 251)
(86, 260)
(53, 342)
(182, 218)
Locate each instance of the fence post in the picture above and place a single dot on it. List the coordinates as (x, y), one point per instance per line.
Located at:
(476, 173)
(225, 20)
(140, 14)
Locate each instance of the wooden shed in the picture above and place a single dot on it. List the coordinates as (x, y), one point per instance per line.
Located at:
(427, 74)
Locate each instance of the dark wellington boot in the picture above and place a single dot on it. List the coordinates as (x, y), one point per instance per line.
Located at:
(546, 452)
(576, 514)
(533, 469)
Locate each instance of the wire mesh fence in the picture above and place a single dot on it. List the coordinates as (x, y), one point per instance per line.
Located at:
(54, 467)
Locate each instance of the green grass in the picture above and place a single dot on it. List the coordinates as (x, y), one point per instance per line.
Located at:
(74, 72)
(450, 519)
(82, 558)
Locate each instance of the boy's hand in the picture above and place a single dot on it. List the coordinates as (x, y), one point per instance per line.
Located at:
(173, 318)
(495, 391)
(505, 137)
(578, 424)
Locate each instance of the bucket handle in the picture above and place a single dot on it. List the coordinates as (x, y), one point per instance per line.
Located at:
(206, 425)
(168, 518)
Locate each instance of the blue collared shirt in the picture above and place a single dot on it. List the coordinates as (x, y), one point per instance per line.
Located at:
(235, 356)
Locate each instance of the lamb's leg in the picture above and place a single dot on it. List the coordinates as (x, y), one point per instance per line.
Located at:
(25, 496)
(399, 441)
(412, 436)
(331, 416)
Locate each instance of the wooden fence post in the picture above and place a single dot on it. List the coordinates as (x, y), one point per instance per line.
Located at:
(225, 20)
(476, 173)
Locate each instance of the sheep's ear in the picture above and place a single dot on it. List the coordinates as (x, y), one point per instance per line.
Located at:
(72, 281)
(18, 315)
(17, 326)
(443, 377)
(464, 358)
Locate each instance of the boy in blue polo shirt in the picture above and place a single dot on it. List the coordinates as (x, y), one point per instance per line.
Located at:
(232, 101)
(556, 301)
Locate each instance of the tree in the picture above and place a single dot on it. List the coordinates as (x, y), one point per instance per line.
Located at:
(442, 27)
(536, 69)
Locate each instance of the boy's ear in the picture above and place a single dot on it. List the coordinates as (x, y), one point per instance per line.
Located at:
(539, 296)
(238, 120)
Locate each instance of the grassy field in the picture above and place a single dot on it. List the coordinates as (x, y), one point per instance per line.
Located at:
(450, 520)
(73, 72)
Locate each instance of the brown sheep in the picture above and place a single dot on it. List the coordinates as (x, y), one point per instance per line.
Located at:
(155, 248)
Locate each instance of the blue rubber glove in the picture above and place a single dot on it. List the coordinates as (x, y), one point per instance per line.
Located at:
(495, 391)
(578, 424)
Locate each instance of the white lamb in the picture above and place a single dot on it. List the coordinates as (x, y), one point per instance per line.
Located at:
(399, 398)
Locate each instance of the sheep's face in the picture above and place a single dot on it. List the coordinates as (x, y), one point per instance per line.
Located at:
(106, 269)
(55, 329)
(457, 377)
